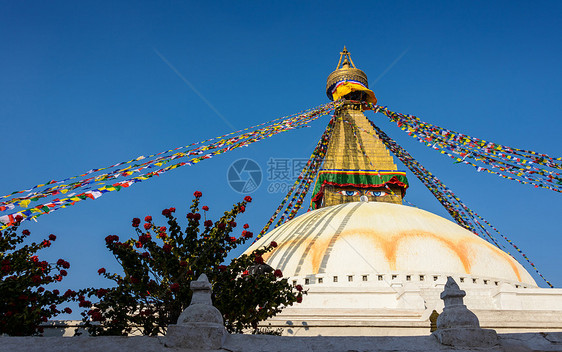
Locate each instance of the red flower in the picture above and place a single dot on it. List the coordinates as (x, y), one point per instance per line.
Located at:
(35, 259)
(25, 232)
(147, 226)
(101, 271)
(273, 244)
(144, 239)
(162, 228)
(40, 289)
(172, 210)
(208, 223)
(232, 223)
(232, 239)
(258, 259)
(245, 273)
(148, 218)
(278, 273)
(248, 199)
(136, 222)
(46, 243)
(195, 216)
(299, 299)
(67, 310)
(299, 288)
(247, 234)
(197, 194)
(246, 226)
(101, 292)
(36, 279)
(52, 237)
(112, 238)
(96, 316)
(19, 218)
(221, 225)
(167, 248)
(206, 208)
(175, 286)
(56, 292)
(63, 272)
(222, 267)
(242, 208)
(166, 212)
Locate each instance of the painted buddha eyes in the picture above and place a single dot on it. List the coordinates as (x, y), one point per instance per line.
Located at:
(369, 193)
(377, 193)
(350, 193)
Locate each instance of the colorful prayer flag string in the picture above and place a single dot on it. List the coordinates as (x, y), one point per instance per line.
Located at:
(95, 187)
(523, 166)
(60, 187)
(463, 215)
(302, 184)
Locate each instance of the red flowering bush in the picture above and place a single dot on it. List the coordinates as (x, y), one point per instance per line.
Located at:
(159, 264)
(24, 301)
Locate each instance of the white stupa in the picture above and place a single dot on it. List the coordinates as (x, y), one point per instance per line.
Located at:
(373, 266)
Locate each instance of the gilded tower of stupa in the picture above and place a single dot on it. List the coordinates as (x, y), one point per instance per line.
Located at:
(357, 166)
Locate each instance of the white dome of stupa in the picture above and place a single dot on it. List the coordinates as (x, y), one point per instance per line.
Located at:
(358, 242)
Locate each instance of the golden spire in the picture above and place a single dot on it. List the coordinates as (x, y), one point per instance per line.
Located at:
(347, 72)
(346, 55)
(357, 165)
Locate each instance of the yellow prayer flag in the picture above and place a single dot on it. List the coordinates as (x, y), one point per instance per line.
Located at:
(25, 203)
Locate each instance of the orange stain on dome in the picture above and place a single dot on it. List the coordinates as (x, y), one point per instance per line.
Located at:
(389, 244)
(506, 257)
(316, 251)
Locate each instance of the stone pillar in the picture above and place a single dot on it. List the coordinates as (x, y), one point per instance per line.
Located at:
(457, 326)
(200, 326)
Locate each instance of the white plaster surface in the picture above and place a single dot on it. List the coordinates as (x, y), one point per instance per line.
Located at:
(370, 238)
(257, 343)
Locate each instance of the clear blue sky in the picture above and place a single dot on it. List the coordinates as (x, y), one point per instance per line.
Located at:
(82, 86)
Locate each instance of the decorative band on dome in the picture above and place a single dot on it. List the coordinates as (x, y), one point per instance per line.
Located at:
(341, 88)
(357, 179)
